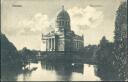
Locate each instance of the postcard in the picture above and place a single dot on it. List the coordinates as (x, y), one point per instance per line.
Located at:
(64, 40)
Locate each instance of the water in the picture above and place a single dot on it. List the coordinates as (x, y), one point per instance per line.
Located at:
(44, 71)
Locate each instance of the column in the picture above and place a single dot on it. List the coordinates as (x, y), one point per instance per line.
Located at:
(49, 44)
(46, 45)
(54, 44)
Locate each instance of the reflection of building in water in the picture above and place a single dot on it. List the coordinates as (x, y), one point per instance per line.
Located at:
(79, 68)
(62, 38)
(63, 68)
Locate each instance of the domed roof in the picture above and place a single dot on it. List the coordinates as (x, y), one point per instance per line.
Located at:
(63, 14)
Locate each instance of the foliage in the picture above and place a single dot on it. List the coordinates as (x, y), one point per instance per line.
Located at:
(104, 58)
(113, 57)
(120, 47)
(88, 51)
(9, 54)
(27, 54)
(105, 51)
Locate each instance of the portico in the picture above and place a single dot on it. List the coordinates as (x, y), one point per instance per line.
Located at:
(63, 38)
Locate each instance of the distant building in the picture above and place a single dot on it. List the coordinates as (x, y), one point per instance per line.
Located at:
(63, 38)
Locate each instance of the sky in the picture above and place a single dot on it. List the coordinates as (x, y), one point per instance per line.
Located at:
(24, 21)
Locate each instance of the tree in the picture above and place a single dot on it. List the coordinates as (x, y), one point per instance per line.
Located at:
(105, 51)
(28, 54)
(120, 62)
(104, 58)
(9, 54)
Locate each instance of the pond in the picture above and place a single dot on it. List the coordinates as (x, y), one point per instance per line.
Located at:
(46, 71)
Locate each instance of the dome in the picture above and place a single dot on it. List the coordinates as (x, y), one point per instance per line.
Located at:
(63, 20)
(63, 14)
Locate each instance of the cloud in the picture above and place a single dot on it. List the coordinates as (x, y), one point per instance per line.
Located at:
(83, 19)
(38, 24)
(96, 5)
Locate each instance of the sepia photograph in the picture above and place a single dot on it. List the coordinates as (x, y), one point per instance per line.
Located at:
(64, 40)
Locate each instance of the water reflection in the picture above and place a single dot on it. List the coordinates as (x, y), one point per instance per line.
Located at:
(105, 73)
(26, 73)
(54, 71)
(63, 70)
(9, 75)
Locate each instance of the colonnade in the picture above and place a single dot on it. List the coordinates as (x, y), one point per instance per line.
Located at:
(78, 44)
(50, 44)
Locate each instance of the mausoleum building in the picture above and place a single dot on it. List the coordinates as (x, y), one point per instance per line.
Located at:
(62, 38)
